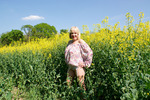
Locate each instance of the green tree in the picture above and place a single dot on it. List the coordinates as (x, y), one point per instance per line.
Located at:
(14, 35)
(28, 29)
(63, 31)
(45, 30)
(5, 39)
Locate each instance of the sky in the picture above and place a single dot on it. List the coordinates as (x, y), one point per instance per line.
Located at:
(63, 14)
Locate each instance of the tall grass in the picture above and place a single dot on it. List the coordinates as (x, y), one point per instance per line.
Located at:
(120, 68)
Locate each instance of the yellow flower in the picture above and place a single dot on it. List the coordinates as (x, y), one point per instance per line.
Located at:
(92, 64)
(147, 93)
(49, 56)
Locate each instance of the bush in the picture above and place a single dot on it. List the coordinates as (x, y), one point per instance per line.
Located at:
(9, 37)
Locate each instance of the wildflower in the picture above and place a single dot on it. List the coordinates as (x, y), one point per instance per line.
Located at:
(129, 57)
(147, 93)
(49, 56)
(92, 64)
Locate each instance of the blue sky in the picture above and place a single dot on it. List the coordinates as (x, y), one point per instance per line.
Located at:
(63, 14)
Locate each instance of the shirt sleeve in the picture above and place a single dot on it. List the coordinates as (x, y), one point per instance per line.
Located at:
(87, 54)
(67, 56)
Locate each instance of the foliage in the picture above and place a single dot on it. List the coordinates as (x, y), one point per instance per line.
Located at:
(41, 30)
(63, 31)
(45, 30)
(28, 29)
(120, 68)
(14, 35)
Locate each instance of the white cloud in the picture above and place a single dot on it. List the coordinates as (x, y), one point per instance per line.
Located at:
(33, 17)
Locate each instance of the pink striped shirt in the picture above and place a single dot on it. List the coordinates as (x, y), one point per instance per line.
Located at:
(76, 53)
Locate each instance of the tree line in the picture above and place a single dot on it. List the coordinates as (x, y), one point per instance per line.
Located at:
(42, 30)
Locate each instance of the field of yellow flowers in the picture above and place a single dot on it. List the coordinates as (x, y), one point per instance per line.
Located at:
(120, 68)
